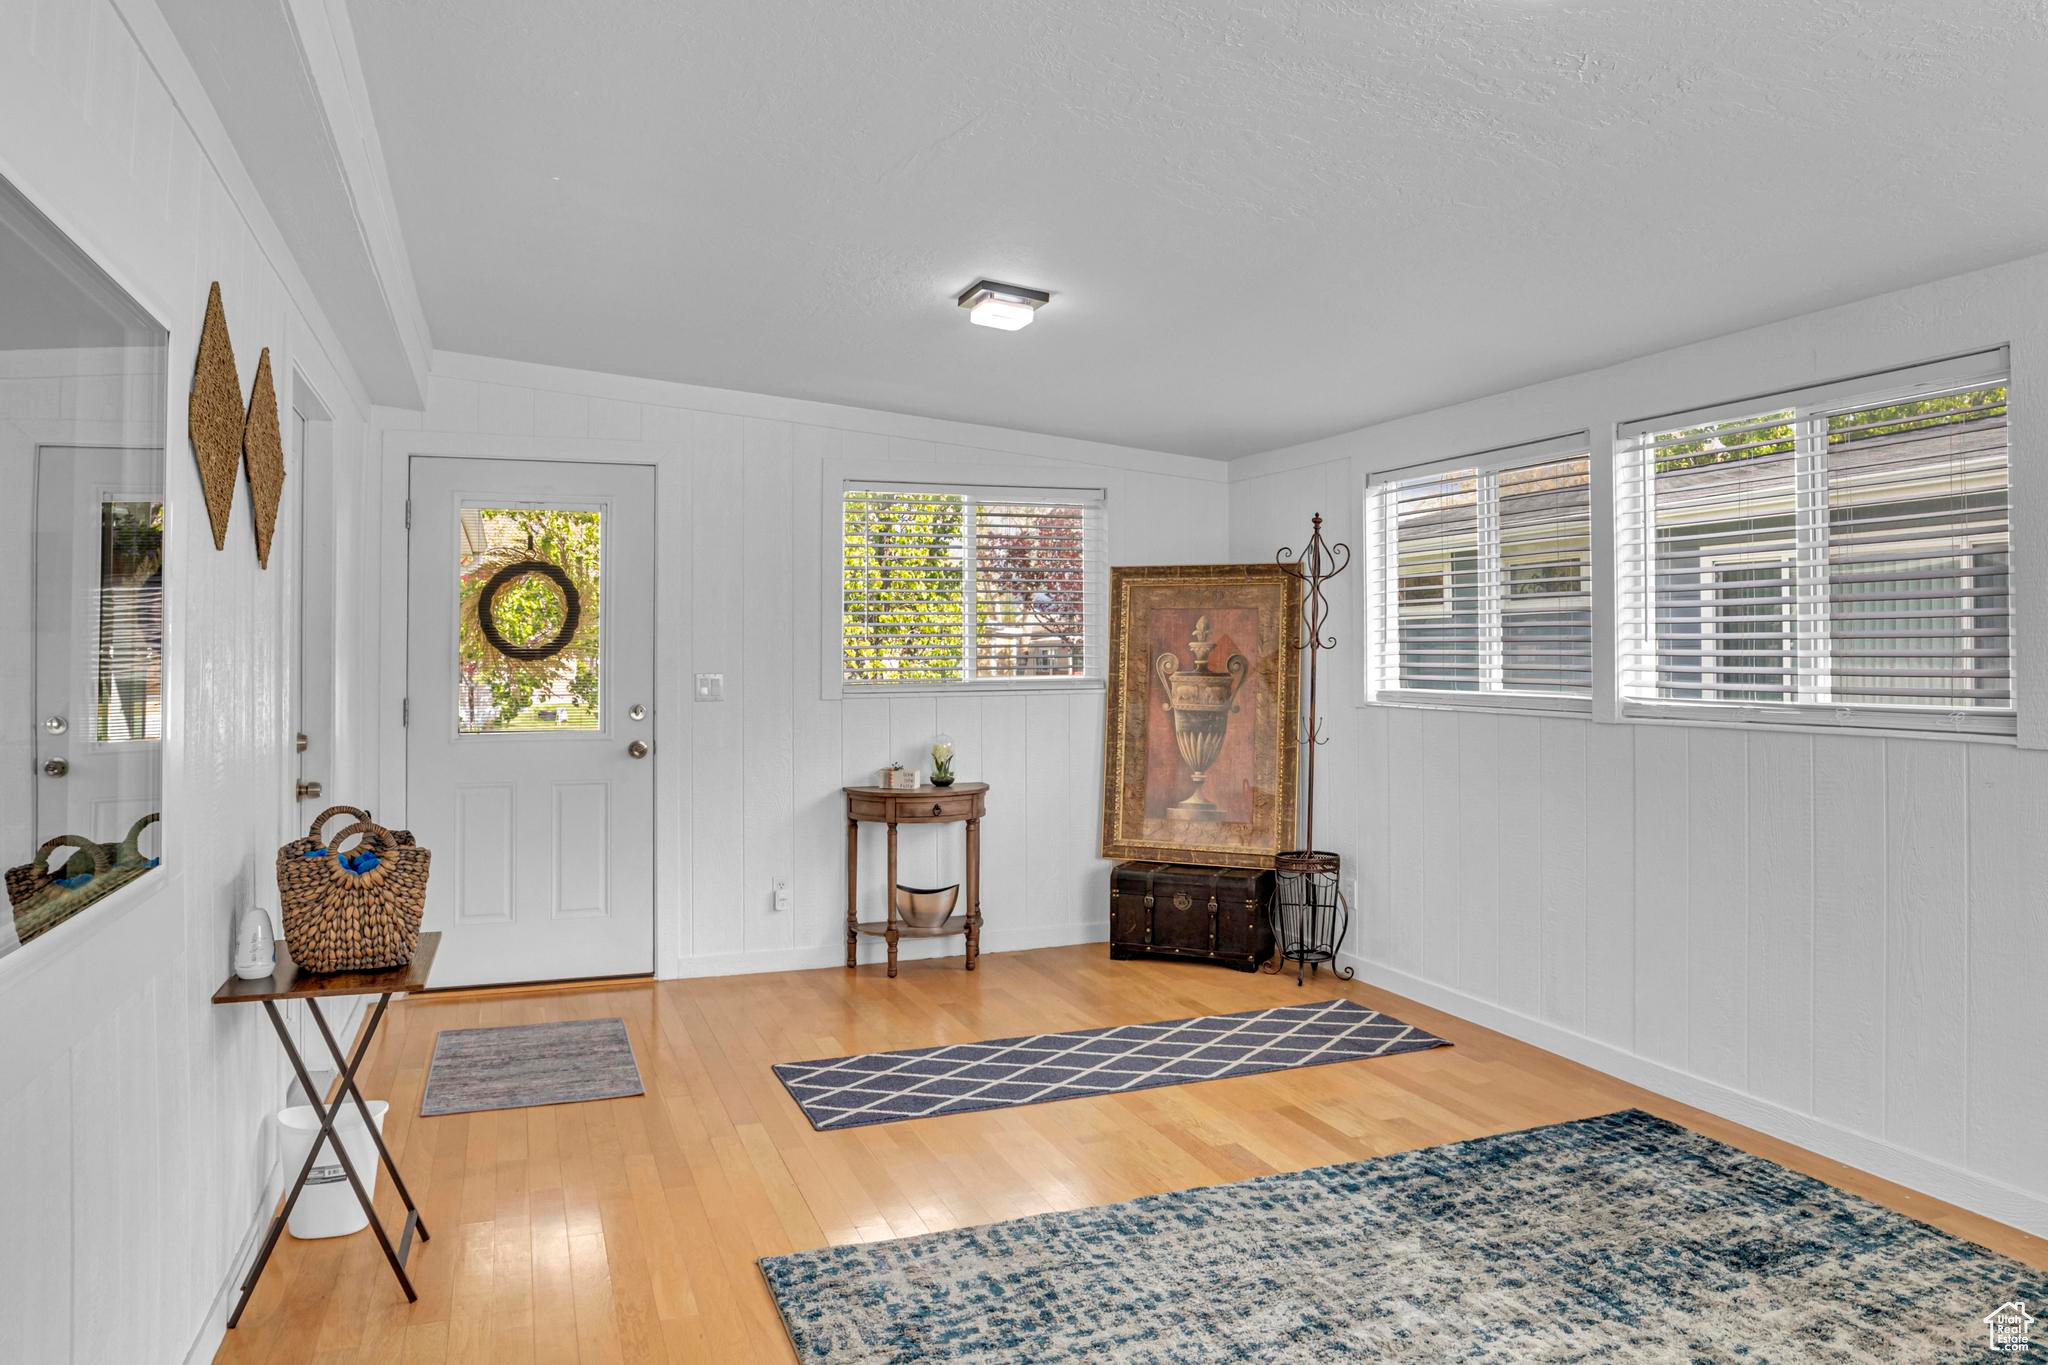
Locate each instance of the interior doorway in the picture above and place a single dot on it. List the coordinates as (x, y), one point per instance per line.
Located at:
(310, 772)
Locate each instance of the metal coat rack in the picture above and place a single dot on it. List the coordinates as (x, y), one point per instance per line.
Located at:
(1310, 914)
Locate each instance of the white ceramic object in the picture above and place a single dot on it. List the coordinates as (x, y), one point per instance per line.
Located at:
(255, 945)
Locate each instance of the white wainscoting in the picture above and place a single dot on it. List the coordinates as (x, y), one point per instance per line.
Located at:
(134, 1116)
(748, 789)
(1837, 938)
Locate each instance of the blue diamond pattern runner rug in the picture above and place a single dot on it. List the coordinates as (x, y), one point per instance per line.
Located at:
(882, 1087)
(1617, 1239)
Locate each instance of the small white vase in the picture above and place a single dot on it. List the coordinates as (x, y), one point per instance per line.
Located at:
(255, 945)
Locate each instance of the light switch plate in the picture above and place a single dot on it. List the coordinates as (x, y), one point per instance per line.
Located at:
(782, 893)
(711, 687)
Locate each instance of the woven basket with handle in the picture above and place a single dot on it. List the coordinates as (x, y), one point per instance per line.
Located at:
(313, 840)
(35, 877)
(337, 919)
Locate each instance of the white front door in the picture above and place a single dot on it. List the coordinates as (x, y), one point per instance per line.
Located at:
(530, 716)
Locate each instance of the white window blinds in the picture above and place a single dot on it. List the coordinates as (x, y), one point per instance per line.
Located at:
(958, 585)
(1482, 578)
(1840, 553)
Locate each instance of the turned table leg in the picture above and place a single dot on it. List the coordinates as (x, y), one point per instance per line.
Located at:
(973, 892)
(852, 891)
(889, 898)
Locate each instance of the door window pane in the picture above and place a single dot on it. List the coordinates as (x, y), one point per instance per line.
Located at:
(131, 637)
(529, 638)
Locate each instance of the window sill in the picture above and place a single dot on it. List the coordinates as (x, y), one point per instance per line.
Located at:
(1034, 686)
(1868, 724)
(1485, 703)
(1864, 724)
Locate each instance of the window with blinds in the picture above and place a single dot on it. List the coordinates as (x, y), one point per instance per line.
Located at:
(1840, 554)
(1482, 578)
(963, 585)
(129, 659)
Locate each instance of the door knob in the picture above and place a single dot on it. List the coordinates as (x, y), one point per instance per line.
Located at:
(309, 791)
(637, 749)
(56, 725)
(56, 767)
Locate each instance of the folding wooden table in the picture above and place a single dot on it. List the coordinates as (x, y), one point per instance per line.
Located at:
(289, 983)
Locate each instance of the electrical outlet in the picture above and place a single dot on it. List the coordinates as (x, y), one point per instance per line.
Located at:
(711, 687)
(1351, 892)
(782, 893)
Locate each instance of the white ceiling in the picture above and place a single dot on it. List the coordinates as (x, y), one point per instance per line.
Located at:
(1260, 223)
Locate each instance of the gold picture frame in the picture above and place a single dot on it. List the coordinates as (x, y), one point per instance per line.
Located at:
(1201, 738)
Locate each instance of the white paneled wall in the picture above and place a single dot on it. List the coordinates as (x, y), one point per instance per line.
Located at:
(748, 789)
(1838, 938)
(134, 1153)
(1832, 937)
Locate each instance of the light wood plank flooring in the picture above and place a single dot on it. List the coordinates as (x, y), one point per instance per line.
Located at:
(626, 1230)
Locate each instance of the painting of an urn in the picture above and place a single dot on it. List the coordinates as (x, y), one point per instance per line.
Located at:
(1201, 704)
(1204, 685)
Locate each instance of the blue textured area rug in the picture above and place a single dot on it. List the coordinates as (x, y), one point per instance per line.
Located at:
(881, 1087)
(1620, 1238)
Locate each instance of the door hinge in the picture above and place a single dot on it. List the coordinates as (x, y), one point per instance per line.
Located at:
(408, 514)
(405, 711)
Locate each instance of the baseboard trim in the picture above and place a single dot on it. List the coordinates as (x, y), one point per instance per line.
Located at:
(548, 987)
(213, 1331)
(1980, 1194)
(1006, 939)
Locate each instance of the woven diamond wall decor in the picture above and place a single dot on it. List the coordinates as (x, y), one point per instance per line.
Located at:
(215, 417)
(263, 456)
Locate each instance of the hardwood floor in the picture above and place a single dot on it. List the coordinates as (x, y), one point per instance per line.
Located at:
(626, 1230)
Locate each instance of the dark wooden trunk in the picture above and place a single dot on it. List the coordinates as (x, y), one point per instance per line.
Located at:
(1205, 914)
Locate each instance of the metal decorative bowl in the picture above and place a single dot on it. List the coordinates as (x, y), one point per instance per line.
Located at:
(926, 908)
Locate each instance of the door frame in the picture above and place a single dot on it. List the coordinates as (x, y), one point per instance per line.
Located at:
(671, 588)
(307, 601)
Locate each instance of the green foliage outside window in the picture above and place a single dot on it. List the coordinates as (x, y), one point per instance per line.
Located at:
(501, 693)
(904, 584)
(1748, 438)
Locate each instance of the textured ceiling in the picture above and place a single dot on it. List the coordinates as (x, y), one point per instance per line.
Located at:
(1260, 222)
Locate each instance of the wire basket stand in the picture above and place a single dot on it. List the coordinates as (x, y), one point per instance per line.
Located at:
(1311, 916)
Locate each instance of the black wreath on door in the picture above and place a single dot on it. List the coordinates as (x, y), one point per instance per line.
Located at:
(572, 610)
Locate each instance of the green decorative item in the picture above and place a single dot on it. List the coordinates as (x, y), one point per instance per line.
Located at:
(942, 760)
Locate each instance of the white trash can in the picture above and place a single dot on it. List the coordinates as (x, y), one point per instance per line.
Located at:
(327, 1207)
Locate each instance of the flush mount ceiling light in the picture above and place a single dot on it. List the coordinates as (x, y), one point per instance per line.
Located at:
(1007, 306)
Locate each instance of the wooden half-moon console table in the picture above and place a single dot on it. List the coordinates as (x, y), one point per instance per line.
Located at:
(961, 803)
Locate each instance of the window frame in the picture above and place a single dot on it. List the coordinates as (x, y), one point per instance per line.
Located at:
(1809, 660)
(993, 482)
(1382, 654)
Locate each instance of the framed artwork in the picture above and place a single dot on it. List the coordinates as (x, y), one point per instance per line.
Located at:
(1204, 685)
